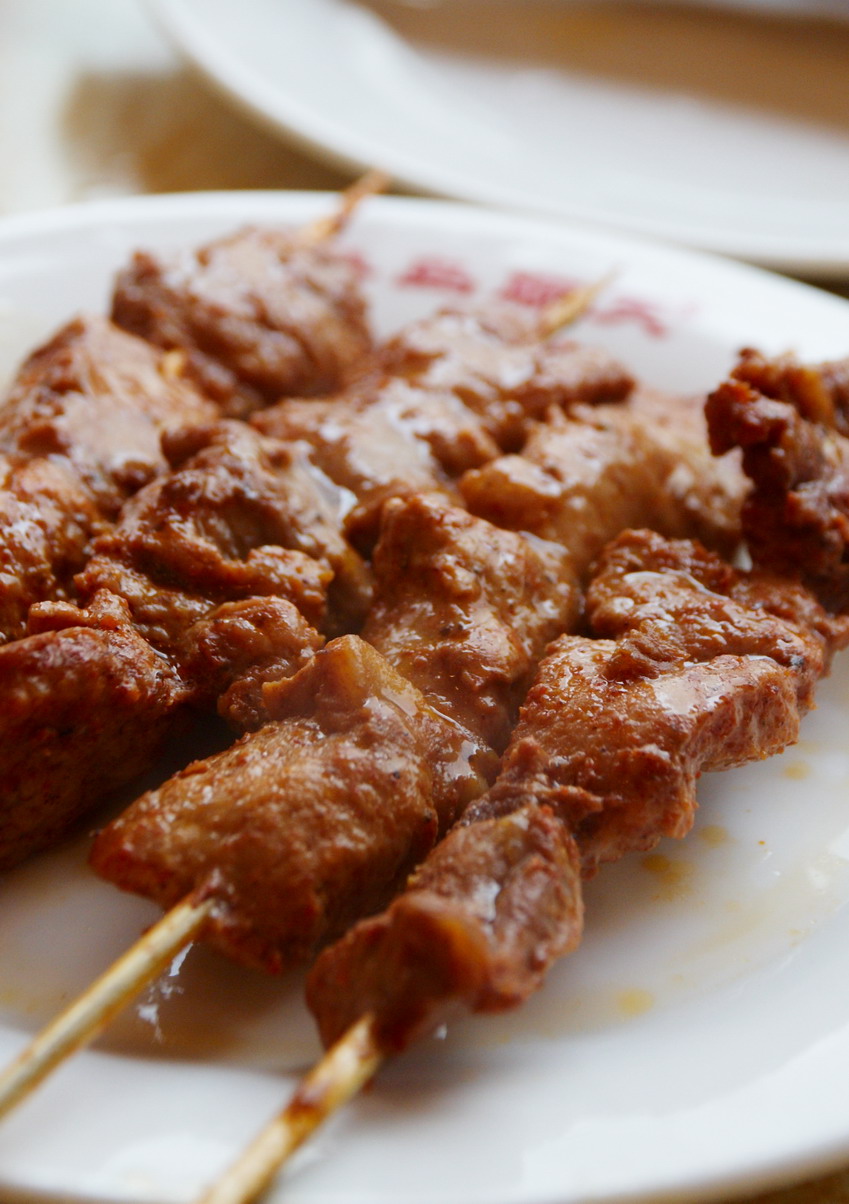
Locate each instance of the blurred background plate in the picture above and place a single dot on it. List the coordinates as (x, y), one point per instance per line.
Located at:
(716, 129)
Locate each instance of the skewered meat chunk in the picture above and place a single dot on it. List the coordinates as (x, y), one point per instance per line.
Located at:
(231, 653)
(820, 392)
(464, 611)
(445, 395)
(313, 819)
(796, 517)
(239, 516)
(80, 429)
(584, 477)
(391, 445)
(708, 669)
(258, 315)
(645, 595)
(86, 706)
(98, 400)
(499, 365)
(46, 522)
(477, 927)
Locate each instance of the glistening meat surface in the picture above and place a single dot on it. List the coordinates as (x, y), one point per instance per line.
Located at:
(708, 668)
(257, 314)
(80, 432)
(361, 768)
(310, 821)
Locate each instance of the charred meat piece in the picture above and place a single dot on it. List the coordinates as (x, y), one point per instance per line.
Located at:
(258, 315)
(820, 392)
(310, 821)
(86, 706)
(464, 610)
(796, 516)
(707, 669)
(239, 516)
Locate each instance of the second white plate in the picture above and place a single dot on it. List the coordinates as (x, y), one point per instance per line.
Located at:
(713, 129)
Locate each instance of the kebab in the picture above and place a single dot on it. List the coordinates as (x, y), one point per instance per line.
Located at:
(163, 561)
(594, 516)
(689, 666)
(81, 424)
(607, 518)
(176, 552)
(256, 315)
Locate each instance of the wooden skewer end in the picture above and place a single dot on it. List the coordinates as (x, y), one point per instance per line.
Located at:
(342, 1072)
(90, 1013)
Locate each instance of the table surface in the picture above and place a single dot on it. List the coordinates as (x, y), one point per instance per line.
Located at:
(94, 103)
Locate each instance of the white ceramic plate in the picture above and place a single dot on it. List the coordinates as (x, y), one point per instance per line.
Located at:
(718, 130)
(697, 1044)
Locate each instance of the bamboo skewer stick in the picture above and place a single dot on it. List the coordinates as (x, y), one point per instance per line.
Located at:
(90, 1013)
(325, 228)
(566, 310)
(333, 1081)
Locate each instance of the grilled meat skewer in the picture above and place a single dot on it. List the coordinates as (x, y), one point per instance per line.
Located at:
(259, 314)
(270, 843)
(690, 667)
